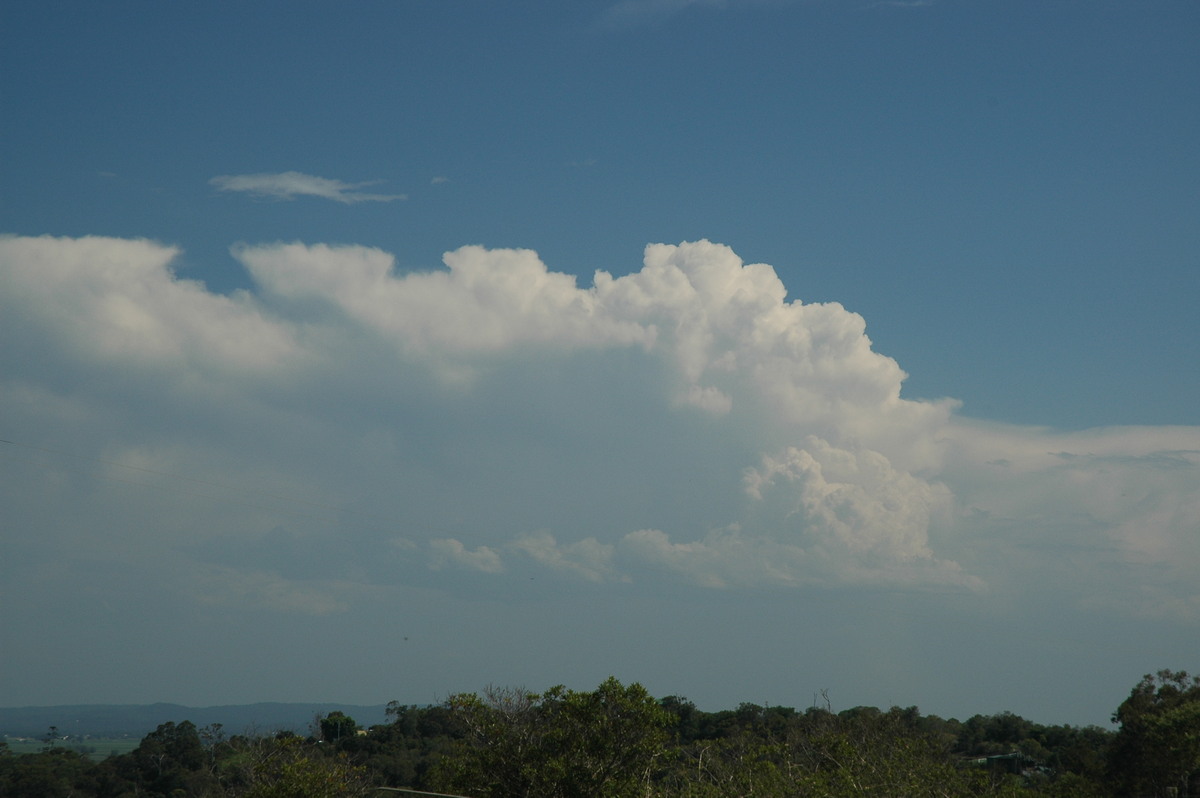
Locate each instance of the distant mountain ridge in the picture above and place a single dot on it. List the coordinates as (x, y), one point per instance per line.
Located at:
(137, 720)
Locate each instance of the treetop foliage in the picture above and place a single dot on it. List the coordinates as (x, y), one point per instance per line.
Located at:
(618, 741)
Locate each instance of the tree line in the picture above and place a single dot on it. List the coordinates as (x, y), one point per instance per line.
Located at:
(618, 741)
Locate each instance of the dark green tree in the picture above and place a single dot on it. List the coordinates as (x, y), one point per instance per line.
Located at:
(1157, 748)
(560, 744)
(289, 767)
(337, 725)
(170, 760)
(50, 773)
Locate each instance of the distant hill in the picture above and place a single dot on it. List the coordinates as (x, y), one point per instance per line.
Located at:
(137, 720)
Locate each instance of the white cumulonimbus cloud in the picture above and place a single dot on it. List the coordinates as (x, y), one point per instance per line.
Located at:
(289, 185)
(685, 421)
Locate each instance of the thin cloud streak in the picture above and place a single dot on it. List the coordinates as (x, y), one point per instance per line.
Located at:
(290, 185)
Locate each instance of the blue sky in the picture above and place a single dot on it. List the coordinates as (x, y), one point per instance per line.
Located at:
(886, 384)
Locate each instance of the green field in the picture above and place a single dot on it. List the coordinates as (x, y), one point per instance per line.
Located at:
(96, 748)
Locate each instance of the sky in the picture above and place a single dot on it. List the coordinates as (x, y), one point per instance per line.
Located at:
(747, 349)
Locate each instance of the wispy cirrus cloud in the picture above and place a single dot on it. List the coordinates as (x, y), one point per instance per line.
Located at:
(289, 185)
